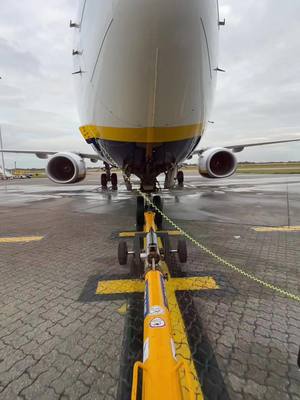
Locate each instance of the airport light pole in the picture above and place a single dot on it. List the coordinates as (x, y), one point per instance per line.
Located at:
(2, 155)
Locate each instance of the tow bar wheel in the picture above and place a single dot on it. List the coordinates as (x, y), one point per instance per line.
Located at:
(182, 250)
(122, 253)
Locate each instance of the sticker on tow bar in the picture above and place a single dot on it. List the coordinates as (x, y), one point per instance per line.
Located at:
(156, 310)
(157, 323)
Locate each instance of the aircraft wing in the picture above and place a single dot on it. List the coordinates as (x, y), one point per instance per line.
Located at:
(237, 148)
(45, 154)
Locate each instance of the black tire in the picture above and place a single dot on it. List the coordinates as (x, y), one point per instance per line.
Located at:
(122, 253)
(140, 209)
(104, 180)
(114, 180)
(157, 201)
(182, 250)
(180, 178)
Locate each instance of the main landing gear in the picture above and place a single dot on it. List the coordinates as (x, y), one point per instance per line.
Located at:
(107, 176)
(172, 175)
(180, 178)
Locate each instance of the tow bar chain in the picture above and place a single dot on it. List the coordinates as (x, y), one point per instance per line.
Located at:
(221, 260)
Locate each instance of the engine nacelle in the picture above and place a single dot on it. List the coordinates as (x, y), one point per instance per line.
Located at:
(217, 163)
(66, 168)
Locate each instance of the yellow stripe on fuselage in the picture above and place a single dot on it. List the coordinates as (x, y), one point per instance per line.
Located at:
(142, 135)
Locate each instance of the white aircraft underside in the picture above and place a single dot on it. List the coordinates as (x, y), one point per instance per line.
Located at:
(147, 73)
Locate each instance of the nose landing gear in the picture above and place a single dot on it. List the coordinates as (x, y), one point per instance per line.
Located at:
(144, 213)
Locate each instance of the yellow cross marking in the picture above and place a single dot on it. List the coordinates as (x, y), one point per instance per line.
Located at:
(183, 351)
(23, 239)
(278, 229)
(128, 286)
(132, 234)
(120, 286)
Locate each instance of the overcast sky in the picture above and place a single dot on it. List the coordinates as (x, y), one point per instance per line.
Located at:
(258, 96)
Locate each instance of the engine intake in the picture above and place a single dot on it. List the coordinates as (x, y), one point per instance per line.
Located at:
(217, 163)
(66, 168)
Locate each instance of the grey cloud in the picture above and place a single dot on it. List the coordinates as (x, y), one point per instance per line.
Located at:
(259, 96)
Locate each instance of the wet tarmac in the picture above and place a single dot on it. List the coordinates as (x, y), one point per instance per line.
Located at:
(58, 340)
(234, 200)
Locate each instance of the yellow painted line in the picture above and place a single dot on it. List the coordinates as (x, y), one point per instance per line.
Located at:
(22, 239)
(178, 328)
(138, 286)
(173, 233)
(123, 309)
(198, 283)
(132, 234)
(278, 229)
(142, 135)
(183, 351)
(120, 286)
(127, 234)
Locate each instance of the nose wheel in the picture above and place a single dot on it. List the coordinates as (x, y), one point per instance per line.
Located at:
(122, 253)
(140, 210)
(157, 201)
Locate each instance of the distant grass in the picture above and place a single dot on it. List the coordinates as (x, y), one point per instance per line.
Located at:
(269, 171)
(272, 168)
(262, 168)
(39, 176)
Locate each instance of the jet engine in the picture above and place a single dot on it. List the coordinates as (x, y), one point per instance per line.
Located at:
(66, 168)
(217, 163)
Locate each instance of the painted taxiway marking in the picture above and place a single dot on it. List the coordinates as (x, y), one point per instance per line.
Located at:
(277, 229)
(133, 234)
(22, 239)
(126, 286)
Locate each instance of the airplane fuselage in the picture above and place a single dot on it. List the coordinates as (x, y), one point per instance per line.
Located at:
(146, 78)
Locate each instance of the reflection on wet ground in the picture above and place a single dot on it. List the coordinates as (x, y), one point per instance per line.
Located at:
(233, 200)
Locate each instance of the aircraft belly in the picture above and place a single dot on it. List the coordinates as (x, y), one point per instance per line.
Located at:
(153, 76)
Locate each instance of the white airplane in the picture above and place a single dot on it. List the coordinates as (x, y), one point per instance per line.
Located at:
(145, 73)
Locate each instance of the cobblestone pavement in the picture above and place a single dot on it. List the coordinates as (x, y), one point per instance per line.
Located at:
(54, 345)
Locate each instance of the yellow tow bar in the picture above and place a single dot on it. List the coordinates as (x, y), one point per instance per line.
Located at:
(162, 374)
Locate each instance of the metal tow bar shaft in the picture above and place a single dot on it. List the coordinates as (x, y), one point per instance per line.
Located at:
(161, 371)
